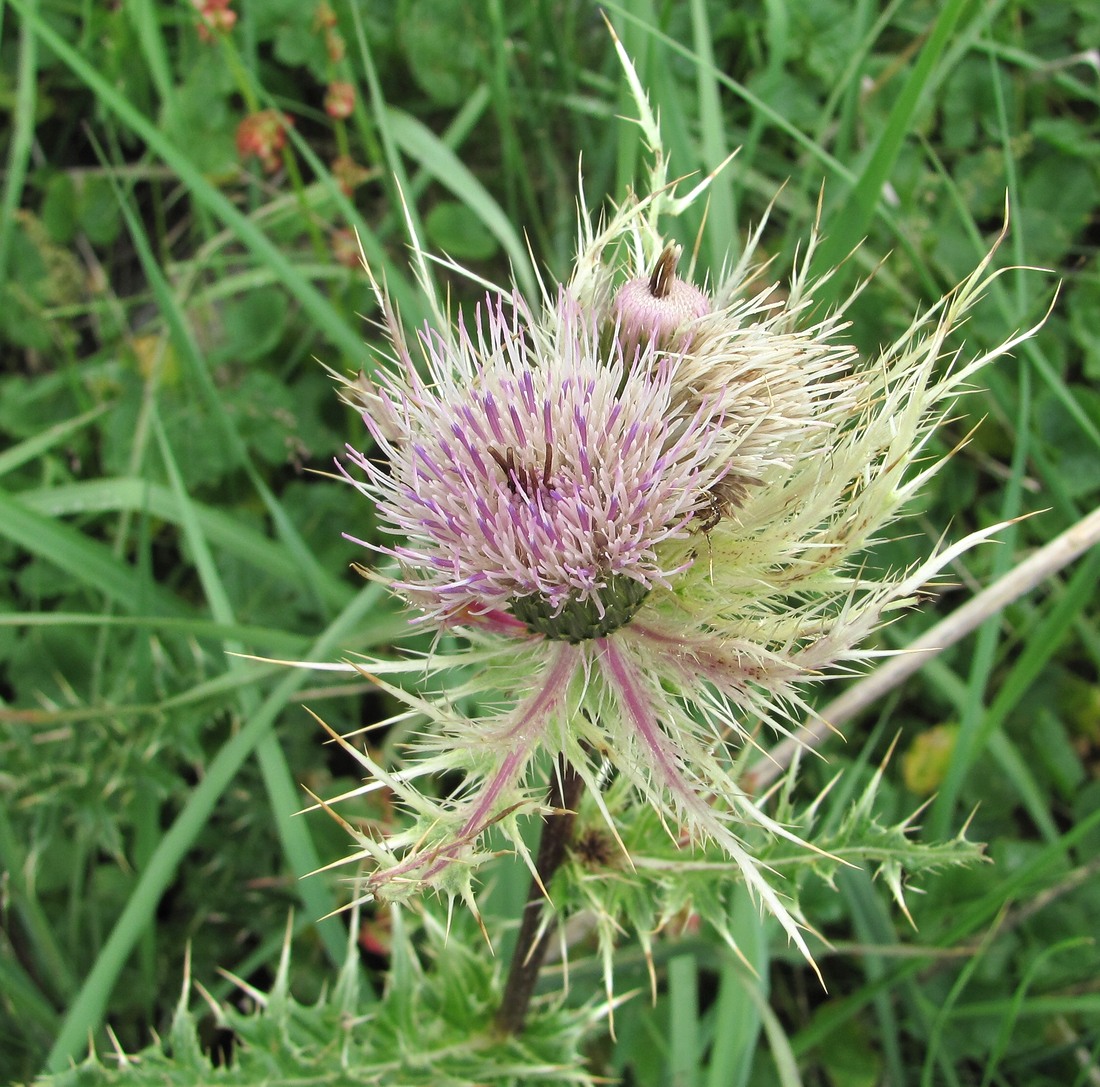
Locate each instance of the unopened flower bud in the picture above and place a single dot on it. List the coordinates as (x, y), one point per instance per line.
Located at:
(656, 307)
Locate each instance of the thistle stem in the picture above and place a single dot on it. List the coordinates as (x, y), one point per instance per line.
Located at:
(557, 832)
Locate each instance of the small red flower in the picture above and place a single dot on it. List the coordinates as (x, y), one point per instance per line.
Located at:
(217, 17)
(339, 100)
(263, 135)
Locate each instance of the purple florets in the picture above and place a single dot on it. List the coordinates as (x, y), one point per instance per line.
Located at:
(539, 473)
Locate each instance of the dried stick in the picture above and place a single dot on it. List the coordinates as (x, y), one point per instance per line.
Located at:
(1035, 569)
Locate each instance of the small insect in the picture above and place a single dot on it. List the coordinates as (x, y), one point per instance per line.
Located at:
(518, 476)
(711, 510)
(723, 498)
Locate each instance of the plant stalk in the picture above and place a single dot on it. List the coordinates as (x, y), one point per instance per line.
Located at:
(557, 832)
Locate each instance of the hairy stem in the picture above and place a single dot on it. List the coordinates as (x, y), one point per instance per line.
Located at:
(533, 940)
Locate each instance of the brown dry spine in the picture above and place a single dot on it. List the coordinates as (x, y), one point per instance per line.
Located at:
(664, 272)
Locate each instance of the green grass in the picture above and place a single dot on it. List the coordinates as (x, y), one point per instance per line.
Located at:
(164, 421)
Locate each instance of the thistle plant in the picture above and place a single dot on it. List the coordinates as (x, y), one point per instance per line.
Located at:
(638, 502)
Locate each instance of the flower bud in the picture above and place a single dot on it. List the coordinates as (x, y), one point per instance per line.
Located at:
(656, 307)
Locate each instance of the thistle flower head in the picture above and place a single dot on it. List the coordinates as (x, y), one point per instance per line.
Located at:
(536, 474)
(640, 504)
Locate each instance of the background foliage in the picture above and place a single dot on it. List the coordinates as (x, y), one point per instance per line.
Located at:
(177, 250)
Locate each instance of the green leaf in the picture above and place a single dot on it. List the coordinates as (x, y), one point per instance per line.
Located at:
(1073, 452)
(59, 208)
(452, 229)
(98, 211)
(253, 324)
(441, 40)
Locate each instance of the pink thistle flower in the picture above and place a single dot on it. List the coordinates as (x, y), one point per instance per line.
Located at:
(658, 306)
(536, 475)
(645, 529)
